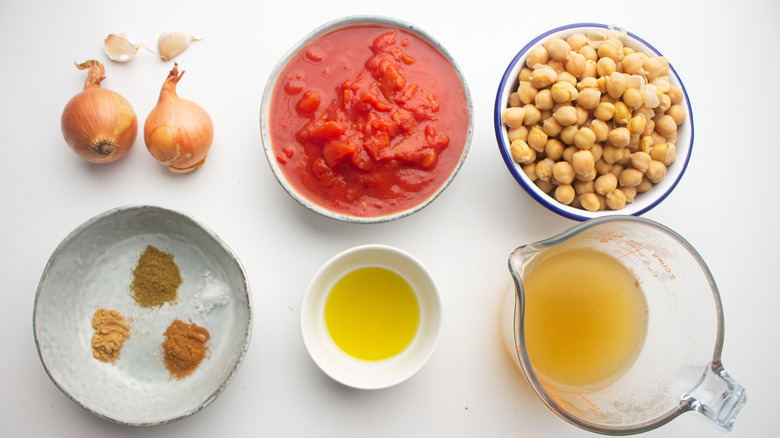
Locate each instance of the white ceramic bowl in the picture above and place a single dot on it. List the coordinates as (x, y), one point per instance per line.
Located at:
(266, 110)
(644, 201)
(365, 374)
(92, 268)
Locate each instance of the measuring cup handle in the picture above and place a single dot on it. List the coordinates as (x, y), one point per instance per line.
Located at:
(718, 396)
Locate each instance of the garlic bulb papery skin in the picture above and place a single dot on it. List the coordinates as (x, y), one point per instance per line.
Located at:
(173, 42)
(178, 132)
(119, 48)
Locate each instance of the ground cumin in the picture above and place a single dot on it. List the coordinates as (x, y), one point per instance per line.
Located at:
(184, 348)
(110, 334)
(156, 278)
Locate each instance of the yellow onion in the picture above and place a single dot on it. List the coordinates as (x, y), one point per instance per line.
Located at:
(99, 125)
(178, 132)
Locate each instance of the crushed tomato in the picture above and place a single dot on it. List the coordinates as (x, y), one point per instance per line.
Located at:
(368, 120)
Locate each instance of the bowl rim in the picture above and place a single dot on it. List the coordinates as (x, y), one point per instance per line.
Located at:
(417, 354)
(509, 78)
(102, 217)
(328, 27)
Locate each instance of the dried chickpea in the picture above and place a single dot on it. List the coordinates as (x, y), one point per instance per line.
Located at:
(664, 152)
(677, 113)
(513, 117)
(526, 92)
(644, 186)
(568, 133)
(649, 128)
(605, 184)
(537, 55)
(584, 138)
(557, 66)
(557, 48)
(636, 125)
(521, 152)
(602, 167)
(564, 193)
(665, 102)
(589, 98)
(576, 64)
(566, 115)
(590, 201)
(597, 151)
(665, 125)
(604, 111)
(532, 114)
(633, 98)
(675, 95)
(544, 169)
(640, 160)
(525, 74)
(545, 186)
(605, 66)
(543, 100)
(590, 176)
(617, 169)
(656, 171)
(655, 66)
(554, 149)
(563, 172)
(530, 171)
(610, 49)
(582, 162)
(543, 76)
(587, 83)
(537, 138)
(582, 187)
(565, 76)
(619, 137)
(582, 115)
(630, 193)
(590, 70)
(616, 199)
(568, 153)
(521, 133)
(577, 40)
(612, 154)
(616, 84)
(657, 138)
(563, 92)
(622, 115)
(632, 63)
(589, 53)
(551, 126)
(601, 129)
(514, 99)
(649, 113)
(630, 177)
(646, 143)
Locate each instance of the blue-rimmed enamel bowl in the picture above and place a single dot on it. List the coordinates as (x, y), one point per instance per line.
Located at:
(643, 201)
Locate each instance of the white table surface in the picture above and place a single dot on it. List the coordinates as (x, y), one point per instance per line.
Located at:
(724, 51)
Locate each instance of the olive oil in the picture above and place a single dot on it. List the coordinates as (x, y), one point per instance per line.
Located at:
(372, 313)
(585, 319)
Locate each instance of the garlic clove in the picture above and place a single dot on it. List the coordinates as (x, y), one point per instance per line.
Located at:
(119, 48)
(173, 42)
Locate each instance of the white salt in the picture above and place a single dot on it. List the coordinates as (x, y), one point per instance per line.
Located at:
(213, 292)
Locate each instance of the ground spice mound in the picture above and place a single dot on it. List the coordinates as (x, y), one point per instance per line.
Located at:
(156, 278)
(184, 348)
(110, 334)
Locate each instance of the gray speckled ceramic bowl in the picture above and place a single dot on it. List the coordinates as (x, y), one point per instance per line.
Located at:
(92, 269)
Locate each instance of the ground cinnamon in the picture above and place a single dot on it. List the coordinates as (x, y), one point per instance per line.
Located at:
(156, 278)
(110, 334)
(184, 348)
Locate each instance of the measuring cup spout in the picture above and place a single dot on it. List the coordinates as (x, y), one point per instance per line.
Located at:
(718, 396)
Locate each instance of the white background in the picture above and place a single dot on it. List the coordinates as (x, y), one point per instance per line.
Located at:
(725, 53)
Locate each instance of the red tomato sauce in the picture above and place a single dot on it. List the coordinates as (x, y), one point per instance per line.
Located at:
(368, 120)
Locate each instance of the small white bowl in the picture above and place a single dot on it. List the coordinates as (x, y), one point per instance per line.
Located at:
(274, 79)
(365, 374)
(644, 201)
(92, 268)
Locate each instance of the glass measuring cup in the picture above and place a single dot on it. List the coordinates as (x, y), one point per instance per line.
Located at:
(678, 368)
